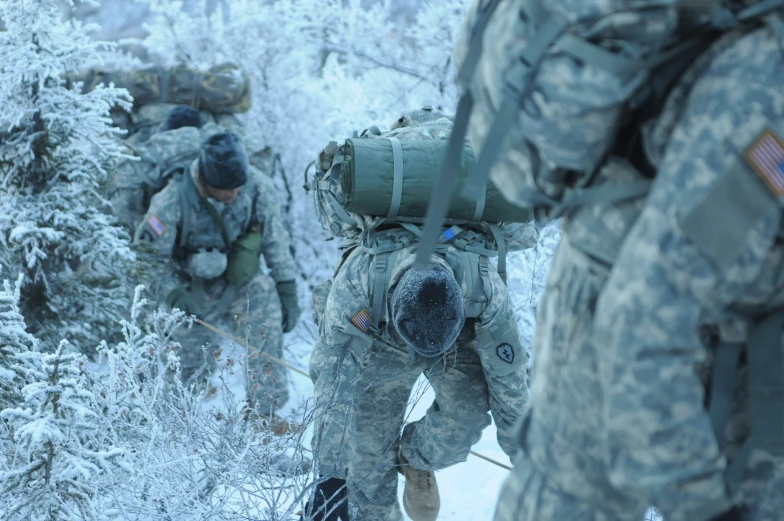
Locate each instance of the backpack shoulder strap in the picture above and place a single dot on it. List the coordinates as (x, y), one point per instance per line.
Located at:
(766, 394)
(189, 199)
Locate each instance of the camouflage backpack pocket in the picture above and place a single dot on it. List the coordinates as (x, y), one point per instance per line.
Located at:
(245, 258)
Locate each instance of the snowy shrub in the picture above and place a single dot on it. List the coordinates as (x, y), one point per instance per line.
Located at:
(58, 450)
(188, 458)
(56, 146)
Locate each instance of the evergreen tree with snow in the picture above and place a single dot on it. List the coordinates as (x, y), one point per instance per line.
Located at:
(57, 456)
(56, 146)
(17, 346)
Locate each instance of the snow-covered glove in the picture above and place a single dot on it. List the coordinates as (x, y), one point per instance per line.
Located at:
(287, 291)
(179, 298)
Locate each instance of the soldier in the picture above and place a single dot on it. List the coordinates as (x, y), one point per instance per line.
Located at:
(654, 307)
(382, 324)
(211, 227)
(475, 365)
(133, 183)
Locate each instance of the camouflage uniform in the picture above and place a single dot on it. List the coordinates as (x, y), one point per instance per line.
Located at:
(133, 182)
(253, 309)
(618, 418)
(367, 376)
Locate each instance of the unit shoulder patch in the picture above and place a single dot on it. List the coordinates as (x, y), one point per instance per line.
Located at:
(766, 157)
(506, 353)
(361, 321)
(156, 224)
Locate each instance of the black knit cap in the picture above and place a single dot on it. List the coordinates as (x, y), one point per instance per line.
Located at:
(181, 116)
(223, 163)
(427, 310)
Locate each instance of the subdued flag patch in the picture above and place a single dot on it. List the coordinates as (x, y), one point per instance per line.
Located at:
(362, 321)
(157, 226)
(766, 157)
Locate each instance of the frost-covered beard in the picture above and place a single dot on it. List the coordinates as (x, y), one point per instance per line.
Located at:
(427, 310)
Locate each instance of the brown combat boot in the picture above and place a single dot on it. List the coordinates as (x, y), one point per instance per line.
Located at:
(420, 497)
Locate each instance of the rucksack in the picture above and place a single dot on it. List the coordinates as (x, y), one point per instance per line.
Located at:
(551, 106)
(223, 89)
(560, 88)
(374, 188)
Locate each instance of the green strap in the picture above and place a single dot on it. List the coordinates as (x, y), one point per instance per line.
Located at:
(397, 179)
(591, 54)
(189, 199)
(550, 30)
(723, 381)
(507, 116)
(481, 199)
(412, 228)
(380, 267)
(307, 169)
(218, 220)
(501, 243)
(758, 10)
(766, 395)
(226, 299)
(383, 275)
(339, 210)
(441, 195)
(766, 385)
(482, 270)
(190, 190)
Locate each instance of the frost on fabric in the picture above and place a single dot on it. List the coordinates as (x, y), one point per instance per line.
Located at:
(427, 310)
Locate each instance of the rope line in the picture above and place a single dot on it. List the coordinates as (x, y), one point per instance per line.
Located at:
(252, 349)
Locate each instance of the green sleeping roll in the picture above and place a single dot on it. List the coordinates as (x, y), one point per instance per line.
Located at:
(367, 181)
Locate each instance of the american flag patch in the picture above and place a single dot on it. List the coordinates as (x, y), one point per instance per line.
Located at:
(156, 225)
(362, 321)
(766, 156)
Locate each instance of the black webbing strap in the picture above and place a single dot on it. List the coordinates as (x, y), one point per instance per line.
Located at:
(444, 187)
(723, 381)
(766, 395)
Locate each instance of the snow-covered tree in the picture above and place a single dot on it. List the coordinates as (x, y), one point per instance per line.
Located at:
(58, 454)
(56, 145)
(17, 346)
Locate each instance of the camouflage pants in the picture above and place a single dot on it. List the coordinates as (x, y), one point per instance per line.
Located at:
(379, 383)
(332, 373)
(253, 314)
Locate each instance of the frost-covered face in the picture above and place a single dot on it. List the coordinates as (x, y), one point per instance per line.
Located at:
(427, 310)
